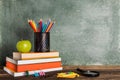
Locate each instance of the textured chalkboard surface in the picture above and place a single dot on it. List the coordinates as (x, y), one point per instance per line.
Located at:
(86, 32)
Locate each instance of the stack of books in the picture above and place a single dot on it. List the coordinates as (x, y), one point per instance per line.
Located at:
(33, 62)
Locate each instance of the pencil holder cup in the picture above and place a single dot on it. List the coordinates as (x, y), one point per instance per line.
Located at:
(41, 41)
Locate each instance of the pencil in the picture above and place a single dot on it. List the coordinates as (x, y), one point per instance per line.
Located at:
(44, 27)
(40, 26)
(48, 22)
(32, 25)
(50, 26)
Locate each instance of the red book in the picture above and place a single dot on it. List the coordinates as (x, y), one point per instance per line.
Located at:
(30, 65)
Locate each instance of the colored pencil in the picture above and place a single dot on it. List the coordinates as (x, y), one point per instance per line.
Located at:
(44, 27)
(50, 26)
(40, 26)
(48, 22)
(32, 25)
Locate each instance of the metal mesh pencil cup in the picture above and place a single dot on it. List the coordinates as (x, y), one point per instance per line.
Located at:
(41, 41)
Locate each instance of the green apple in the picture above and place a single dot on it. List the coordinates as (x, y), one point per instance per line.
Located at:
(24, 46)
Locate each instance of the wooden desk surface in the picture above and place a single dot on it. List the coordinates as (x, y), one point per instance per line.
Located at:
(106, 73)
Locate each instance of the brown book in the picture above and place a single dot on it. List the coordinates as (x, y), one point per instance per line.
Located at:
(35, 55)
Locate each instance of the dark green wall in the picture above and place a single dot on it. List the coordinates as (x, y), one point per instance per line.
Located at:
(86, 31)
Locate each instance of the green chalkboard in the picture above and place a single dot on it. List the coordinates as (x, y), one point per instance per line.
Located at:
(86, 32)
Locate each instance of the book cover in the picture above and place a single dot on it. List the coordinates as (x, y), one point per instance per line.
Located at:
(16, 74)
(35, 55)
(33, 61)
(30, 67)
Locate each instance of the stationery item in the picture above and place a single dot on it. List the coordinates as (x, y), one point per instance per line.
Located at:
(36, 74)
(33, 25)
(44, 27)
(41, 41)
(88, 73)
(34, 61)
(50, 26)
(27, 73)
(48, 22)
(40, 26)
(37, 25)
(67, 75)
(41, 73)
(35, 55)
(34, 65)
(16, 74)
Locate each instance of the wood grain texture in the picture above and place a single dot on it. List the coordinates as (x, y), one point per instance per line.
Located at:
(95, 67)
(86, 31)
(106, 73)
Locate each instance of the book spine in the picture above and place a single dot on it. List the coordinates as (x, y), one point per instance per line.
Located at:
(11, 60)
(22, 62)
(29, 67)
(18, 56)
(16, 74)
(22, 58)
(39, 55)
